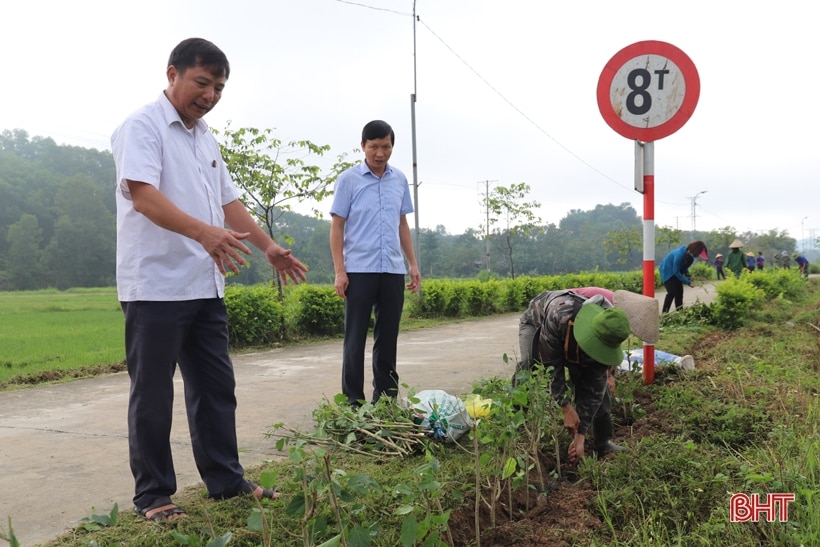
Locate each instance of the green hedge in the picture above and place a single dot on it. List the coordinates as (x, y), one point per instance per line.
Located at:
(319, 311)
(257, 317)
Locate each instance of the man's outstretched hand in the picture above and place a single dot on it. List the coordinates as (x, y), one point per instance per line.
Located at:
(286, 264)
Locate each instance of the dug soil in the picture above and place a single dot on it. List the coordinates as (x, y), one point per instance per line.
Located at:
(561, 513)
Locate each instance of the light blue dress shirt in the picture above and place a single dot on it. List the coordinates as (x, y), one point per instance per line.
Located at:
(372, 209)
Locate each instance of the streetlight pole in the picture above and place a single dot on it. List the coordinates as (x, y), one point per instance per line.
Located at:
(802, 237)
(695, 213)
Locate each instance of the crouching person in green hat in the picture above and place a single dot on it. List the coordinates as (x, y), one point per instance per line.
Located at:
(571, 333)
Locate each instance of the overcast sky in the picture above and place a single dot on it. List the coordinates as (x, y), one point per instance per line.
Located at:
(506, 92)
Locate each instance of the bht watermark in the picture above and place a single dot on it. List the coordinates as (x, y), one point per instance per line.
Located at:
(750, 507)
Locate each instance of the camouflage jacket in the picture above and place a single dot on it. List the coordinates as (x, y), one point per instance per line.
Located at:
(552, 314)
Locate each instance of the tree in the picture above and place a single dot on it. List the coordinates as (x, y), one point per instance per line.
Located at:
(507, 205)
(431, 242)
(273, 175)
(666, 235)
(82, 252)
(24, 239)
(721, 238)
(623, 241)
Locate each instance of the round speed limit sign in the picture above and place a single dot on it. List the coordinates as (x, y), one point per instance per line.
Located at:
(648, 90)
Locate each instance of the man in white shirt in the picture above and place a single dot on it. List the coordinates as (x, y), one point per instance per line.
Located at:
(174, 197)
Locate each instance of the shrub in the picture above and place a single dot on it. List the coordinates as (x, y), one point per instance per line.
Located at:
(736, 298)
(254, 315)
(515, 295)
(701, 272)
(320, 311)
(779, 283)
(435, 296)
(483, 298)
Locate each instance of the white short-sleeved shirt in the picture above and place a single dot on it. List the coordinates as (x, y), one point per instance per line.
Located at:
(154, 146)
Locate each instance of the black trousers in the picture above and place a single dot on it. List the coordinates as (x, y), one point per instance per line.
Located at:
(193, 334)
(367, 292)
(674, 290)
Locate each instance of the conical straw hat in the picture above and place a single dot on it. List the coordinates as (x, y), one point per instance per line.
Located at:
(736, 244)
(642, 312)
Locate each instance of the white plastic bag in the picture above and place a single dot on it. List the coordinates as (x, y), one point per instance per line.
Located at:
(634, 360)
(443, 414)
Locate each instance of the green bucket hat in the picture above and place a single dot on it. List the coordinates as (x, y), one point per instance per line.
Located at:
(600, 333)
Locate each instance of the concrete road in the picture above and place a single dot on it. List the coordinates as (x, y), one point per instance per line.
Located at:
(63, 447)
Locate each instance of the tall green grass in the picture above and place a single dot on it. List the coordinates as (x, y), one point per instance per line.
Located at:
(48, 332)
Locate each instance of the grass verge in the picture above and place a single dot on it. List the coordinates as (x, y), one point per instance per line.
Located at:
(747, 421)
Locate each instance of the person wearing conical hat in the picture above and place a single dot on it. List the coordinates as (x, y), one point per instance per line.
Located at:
(750, 261)
(719, 266)
(785, 261)
(735, 261)
(674, 270)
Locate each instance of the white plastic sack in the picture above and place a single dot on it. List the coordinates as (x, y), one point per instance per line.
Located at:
(634, 360)
(443, 414)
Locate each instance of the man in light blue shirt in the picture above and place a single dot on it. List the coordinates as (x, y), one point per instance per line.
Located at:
(368, 234)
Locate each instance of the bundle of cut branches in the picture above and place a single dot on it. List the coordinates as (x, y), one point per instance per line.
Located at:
(383, 430)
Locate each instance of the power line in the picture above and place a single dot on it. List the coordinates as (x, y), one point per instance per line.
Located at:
(374, 7)
(496, 91)
(521, 112)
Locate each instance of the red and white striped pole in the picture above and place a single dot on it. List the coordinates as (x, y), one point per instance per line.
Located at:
(645, 159)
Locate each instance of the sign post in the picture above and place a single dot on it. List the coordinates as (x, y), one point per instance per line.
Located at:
(646, 92)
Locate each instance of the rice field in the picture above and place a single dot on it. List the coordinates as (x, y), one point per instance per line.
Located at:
(46, 331)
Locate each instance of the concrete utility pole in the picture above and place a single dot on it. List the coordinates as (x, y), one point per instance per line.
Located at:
(487, 213)
(413, 140)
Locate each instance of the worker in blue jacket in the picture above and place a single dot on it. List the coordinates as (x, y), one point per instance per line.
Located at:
(674, 270)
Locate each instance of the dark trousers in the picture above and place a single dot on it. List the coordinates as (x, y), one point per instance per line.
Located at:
(674, 291)
(193, 334)
(367, 292)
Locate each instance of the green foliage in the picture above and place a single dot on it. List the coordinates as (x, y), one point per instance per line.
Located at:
(482, 298)
(255, 316)
(436, 297)
(96, 522)
(48, 335)
(382, 430)
(625, 243)
(713, 418)
(507, 202)
(736, 299)
(273, 174)
(320, 311)
(698, 314)
(10, 537)
(778, 283)
(68, 191)
(684, 483)
(747, 420)
(701, 271)
(477, 298)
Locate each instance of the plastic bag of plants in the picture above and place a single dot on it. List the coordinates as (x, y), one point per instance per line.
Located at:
(444, 416)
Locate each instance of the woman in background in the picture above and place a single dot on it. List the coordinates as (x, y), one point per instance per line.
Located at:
(719, 266)
(675, 272)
